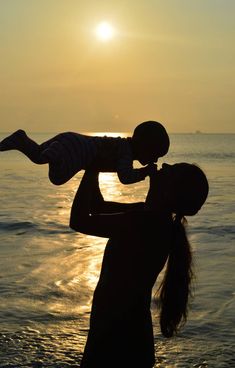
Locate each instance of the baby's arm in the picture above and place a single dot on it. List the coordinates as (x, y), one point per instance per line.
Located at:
(129, 175)
(125, 171)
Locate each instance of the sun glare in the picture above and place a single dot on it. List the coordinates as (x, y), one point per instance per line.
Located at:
(104, 31)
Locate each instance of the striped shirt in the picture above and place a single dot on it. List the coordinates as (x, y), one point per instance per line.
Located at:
(106, 154)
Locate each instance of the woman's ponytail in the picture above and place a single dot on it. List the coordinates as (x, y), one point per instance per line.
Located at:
(176, 286)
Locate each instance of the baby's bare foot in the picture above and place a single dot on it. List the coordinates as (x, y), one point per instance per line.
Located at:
(13, 141)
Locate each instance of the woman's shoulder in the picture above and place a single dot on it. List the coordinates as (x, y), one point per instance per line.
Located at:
(149, 218)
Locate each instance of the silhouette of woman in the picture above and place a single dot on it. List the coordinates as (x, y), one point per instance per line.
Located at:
(142, 238)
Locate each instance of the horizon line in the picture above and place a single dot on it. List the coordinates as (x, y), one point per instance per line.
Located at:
(115, 132)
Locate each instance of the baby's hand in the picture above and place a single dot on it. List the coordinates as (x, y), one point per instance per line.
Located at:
(151, 169)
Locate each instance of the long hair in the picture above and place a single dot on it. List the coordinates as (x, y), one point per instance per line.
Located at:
(175, 288)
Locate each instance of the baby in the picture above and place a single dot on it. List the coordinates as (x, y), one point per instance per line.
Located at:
(67, 153)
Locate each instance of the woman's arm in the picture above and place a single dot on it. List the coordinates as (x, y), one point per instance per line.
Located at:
(115, 207)
(90, 214)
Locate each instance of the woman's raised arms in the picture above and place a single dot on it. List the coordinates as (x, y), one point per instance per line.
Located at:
(91, 215)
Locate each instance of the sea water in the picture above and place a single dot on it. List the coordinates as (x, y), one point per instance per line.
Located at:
(48, 272)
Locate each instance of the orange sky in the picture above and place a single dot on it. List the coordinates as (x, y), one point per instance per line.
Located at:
(171, 61)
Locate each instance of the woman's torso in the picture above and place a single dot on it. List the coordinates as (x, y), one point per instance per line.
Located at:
(134, 258)
(121, 304)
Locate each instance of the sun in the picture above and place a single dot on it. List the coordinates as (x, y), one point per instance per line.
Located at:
(104, 31)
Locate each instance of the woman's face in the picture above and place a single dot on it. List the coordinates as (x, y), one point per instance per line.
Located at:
(167, 177)
(180, 187)
(162, 187)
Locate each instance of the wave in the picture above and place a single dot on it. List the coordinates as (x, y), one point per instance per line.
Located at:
(17, 225)
(204, 155)
(217, 229)
(21, 227)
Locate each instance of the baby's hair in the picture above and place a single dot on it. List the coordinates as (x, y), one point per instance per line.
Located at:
(153, 133)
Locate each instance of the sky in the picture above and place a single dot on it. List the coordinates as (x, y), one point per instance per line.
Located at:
(171, 61)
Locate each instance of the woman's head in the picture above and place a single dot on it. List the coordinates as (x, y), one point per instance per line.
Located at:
(182, 188)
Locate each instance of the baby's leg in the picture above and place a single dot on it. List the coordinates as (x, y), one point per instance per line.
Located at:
(58, 165)
(13, 141)
(21, 142)
(63, 154)
(52, 152)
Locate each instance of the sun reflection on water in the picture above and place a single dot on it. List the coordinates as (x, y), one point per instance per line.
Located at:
(109, 134)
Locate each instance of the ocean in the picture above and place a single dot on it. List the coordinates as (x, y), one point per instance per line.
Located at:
(48, 272)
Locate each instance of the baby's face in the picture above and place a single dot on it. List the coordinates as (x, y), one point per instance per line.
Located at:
(146, 157)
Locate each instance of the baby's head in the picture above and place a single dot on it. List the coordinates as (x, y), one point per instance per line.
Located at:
(149, 141)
